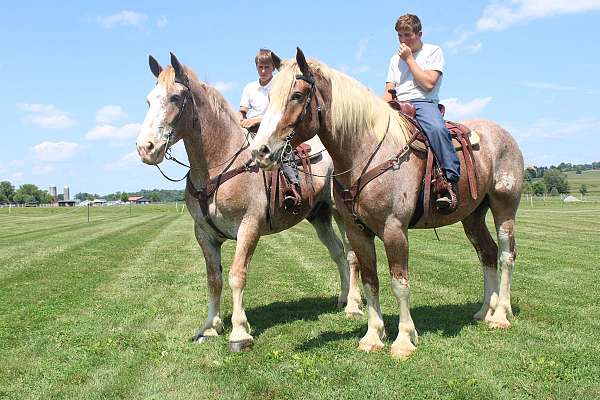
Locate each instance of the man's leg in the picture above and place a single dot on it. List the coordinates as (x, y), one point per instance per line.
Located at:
(433, 125)
(292, 198)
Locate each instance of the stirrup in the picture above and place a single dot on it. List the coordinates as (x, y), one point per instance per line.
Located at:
(447, 204)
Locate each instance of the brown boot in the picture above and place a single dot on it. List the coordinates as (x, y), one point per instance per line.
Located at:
(448, 203)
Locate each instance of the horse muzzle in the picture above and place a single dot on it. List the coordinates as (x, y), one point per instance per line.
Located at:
(265, 158)
(151, 153)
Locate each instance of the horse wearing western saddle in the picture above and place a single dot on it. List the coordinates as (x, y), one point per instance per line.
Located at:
(434, 181)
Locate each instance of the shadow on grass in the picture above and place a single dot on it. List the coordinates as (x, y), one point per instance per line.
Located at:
(447, 320)
(282, 312)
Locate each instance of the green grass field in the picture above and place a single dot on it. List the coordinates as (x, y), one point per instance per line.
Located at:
(105, 310)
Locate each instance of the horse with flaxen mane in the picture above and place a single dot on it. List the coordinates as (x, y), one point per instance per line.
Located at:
(360, 131)
(225, 195)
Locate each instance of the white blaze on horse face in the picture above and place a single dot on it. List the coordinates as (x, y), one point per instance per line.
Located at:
(155, 128)
(267, 127)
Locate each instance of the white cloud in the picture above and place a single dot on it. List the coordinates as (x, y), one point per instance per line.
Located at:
(110, 114)
(223, 87)
(357, 69)
(362, 47)
(42, 169)
(46, 116)
(128, 160)
(455, 109)
(551, 128)
(500, 15)
(463, 42)
(162, 21)
(123, 18)
(124, 132)
(546, 85)
(55, 151)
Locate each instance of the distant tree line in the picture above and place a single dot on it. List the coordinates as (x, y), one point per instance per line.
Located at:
(25, 194)
(553, 180)
(534, 172)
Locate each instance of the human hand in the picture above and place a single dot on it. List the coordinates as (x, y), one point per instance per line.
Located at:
(249, 123)
(404, 51)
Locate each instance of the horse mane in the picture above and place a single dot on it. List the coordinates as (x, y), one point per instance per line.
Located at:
(216, 101)
(355, 110)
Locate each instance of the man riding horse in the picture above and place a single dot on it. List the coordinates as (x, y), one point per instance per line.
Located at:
(415, 74)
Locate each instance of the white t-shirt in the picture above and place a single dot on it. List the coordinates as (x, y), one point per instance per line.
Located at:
(256, 98)
(430, 57)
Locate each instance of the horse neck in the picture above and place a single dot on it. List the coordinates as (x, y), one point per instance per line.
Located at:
(212, 143)
(351, 154)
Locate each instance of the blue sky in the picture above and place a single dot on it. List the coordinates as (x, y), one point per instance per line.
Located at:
(74, 78)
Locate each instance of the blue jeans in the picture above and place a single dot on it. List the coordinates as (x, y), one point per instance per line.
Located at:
(439, 137)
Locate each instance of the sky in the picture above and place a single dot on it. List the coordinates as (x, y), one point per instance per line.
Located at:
(74, 78)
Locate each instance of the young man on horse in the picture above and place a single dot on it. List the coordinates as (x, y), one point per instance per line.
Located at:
(253, 105)
(255, 97)
(415, 73)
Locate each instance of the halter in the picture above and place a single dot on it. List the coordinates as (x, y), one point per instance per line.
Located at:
(287, 149)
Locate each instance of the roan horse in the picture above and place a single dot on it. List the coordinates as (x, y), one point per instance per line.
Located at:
(360, 130)
(182, 107)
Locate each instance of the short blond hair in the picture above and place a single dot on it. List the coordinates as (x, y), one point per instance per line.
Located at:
(408, 22)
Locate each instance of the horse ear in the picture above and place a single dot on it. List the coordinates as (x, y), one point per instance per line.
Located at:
(154, 66)
(276, 60)
(178, 67)
(302, 62)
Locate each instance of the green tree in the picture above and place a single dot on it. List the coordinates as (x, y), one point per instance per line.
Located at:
(154, 197)
(538, 188)
(554, 178)
(29, 193)
(7, 191)
(583, 189)
(124, 197)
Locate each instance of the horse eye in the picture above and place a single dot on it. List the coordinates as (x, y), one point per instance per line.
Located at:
(175, 98)
(297, 96)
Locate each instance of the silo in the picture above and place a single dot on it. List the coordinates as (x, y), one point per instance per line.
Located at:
(66, 193)
(52, 191)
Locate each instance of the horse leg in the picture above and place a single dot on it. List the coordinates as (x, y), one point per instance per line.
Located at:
(487, 251)
(247, 239)
(364, 248)
(504, 208)
(395, 241)
(354, 306)
(211, 248)
(349, 288)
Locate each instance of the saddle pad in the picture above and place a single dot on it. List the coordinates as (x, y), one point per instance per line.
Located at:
(473, 137)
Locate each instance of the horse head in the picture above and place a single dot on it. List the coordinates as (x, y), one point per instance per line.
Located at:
(171, 111)
(294, 115)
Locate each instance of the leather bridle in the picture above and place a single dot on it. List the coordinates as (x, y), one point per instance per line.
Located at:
(287, 149)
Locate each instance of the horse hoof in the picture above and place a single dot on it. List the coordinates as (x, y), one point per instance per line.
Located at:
(402, 352)
(498, 324)
(240, 345)
(354, 313)
(369, 347)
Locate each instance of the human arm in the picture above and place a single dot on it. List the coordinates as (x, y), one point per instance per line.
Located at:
(426, 79)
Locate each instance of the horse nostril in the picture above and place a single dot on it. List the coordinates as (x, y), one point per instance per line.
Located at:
(264, 150)
(149, 146)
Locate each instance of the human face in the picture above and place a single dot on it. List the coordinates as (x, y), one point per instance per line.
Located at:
(265, 72)
(411, 39)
